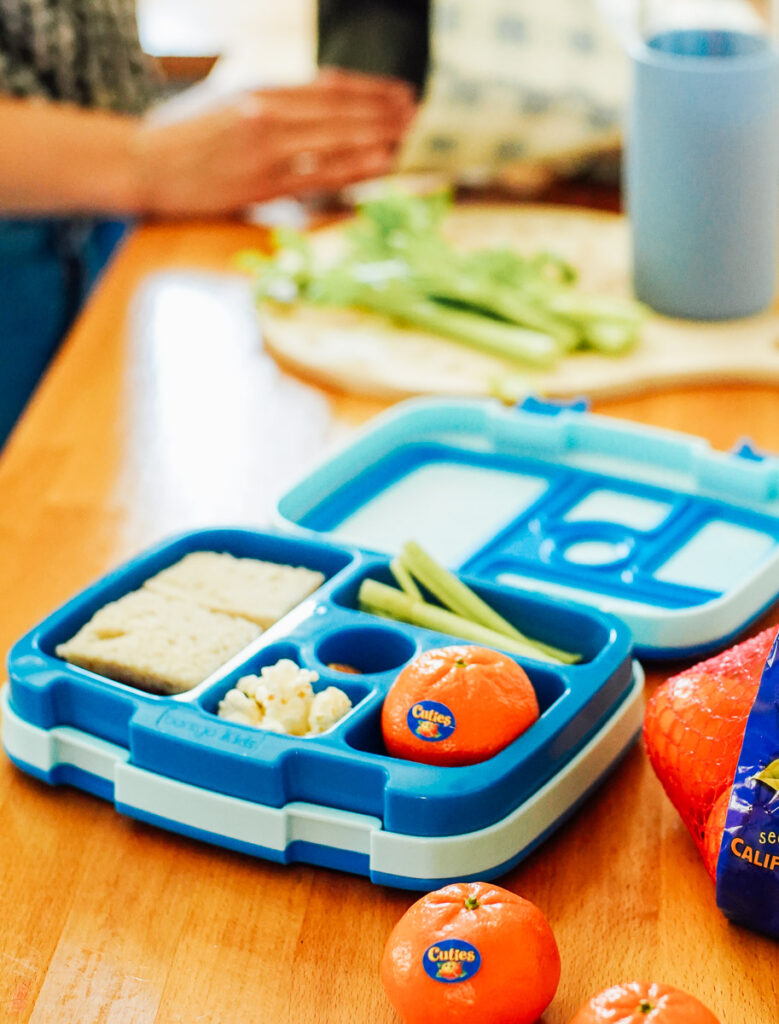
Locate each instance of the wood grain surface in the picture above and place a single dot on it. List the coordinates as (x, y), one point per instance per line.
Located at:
(162, 413)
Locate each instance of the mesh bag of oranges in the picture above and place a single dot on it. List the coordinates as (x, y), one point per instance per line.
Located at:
(712, 735)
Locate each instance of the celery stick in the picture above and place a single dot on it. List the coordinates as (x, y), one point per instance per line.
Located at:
(404, 579)
(479, 332)
(458, 597)
(509, 304)
(611, 337)
(452, 592)
(571, 303)
(388, 602)
(398, 264)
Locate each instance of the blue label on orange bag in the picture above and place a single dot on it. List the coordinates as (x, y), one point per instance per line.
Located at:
(451, 960)
(430, 720)
(748, 865)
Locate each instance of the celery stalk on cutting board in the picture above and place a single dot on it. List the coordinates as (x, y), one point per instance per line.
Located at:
(399, 265)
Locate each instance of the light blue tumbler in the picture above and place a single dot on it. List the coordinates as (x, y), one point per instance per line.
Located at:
(702, 170)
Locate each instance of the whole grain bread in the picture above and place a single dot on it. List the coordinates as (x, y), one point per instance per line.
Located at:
(261, 592)
(157, 642)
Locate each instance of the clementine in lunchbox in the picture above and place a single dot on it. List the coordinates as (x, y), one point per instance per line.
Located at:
(457, 706)
(473, 953)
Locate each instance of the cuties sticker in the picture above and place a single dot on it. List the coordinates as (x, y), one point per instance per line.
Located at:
(451, 961)
(430, 721)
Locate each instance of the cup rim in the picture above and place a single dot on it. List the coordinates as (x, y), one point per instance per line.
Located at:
(762, 59)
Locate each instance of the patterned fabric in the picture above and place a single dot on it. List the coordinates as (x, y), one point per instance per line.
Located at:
(85, 52)
(519, 80)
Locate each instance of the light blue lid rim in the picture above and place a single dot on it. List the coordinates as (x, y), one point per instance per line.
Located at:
(740, 487)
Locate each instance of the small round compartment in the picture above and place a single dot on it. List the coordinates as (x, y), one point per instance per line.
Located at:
(592, 545)
(369, 649)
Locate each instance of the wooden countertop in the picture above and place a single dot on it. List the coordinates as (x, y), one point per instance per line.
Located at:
(162, 413)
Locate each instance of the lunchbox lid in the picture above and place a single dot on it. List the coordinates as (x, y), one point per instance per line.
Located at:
(678, 540)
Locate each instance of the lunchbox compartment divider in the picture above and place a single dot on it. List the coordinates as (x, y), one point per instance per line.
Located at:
(321, 835)
(182, 739)
(535, 615)
(48, 691)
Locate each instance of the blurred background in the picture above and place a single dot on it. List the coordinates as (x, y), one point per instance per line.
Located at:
(264, 40)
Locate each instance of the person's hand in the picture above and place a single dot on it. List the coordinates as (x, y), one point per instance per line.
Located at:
(341, 128)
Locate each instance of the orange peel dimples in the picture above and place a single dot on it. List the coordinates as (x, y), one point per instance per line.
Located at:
(471, 953)
(636, 1002)
(457, 706)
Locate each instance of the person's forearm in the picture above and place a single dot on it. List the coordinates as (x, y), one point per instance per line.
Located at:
(257, 146)
(62, 159)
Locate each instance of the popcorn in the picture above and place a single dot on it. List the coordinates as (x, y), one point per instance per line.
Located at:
(328, 707)
(281, 699)
(237, 707)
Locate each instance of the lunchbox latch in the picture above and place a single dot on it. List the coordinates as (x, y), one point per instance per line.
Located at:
(745, 449)
(552, 407)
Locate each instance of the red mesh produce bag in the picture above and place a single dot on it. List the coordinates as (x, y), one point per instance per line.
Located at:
(693, 732)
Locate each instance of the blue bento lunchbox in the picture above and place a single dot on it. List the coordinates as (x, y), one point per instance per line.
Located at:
(570, 525)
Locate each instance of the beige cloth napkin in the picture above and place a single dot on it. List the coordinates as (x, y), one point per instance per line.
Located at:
(519, 82)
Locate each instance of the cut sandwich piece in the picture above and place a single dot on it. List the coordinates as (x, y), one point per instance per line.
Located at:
(157, 643)
(261, 592)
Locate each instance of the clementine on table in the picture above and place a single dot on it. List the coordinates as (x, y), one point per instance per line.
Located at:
(457, 705)
(471, 953)
(636, 1002)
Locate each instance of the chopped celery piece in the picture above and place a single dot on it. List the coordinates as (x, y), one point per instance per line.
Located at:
(399, 264)
(452, 592)
(457, 596)
(405, 580)
(394, 604)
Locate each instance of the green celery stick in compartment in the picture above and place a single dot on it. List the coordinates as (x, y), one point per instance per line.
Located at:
(464, 613)
(452, 592)
(405, 579)
(391, 603)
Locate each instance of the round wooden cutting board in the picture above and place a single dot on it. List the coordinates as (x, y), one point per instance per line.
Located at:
(364, 354)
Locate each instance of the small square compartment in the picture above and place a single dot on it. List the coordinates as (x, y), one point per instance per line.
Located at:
(697, 561)
(189, 742)
(620, 508)
(355, 691)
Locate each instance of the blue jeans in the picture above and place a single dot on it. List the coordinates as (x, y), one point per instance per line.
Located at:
(47, 267)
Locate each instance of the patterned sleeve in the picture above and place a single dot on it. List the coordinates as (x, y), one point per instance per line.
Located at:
(16, 78)
(513, 81)
(85, 52)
